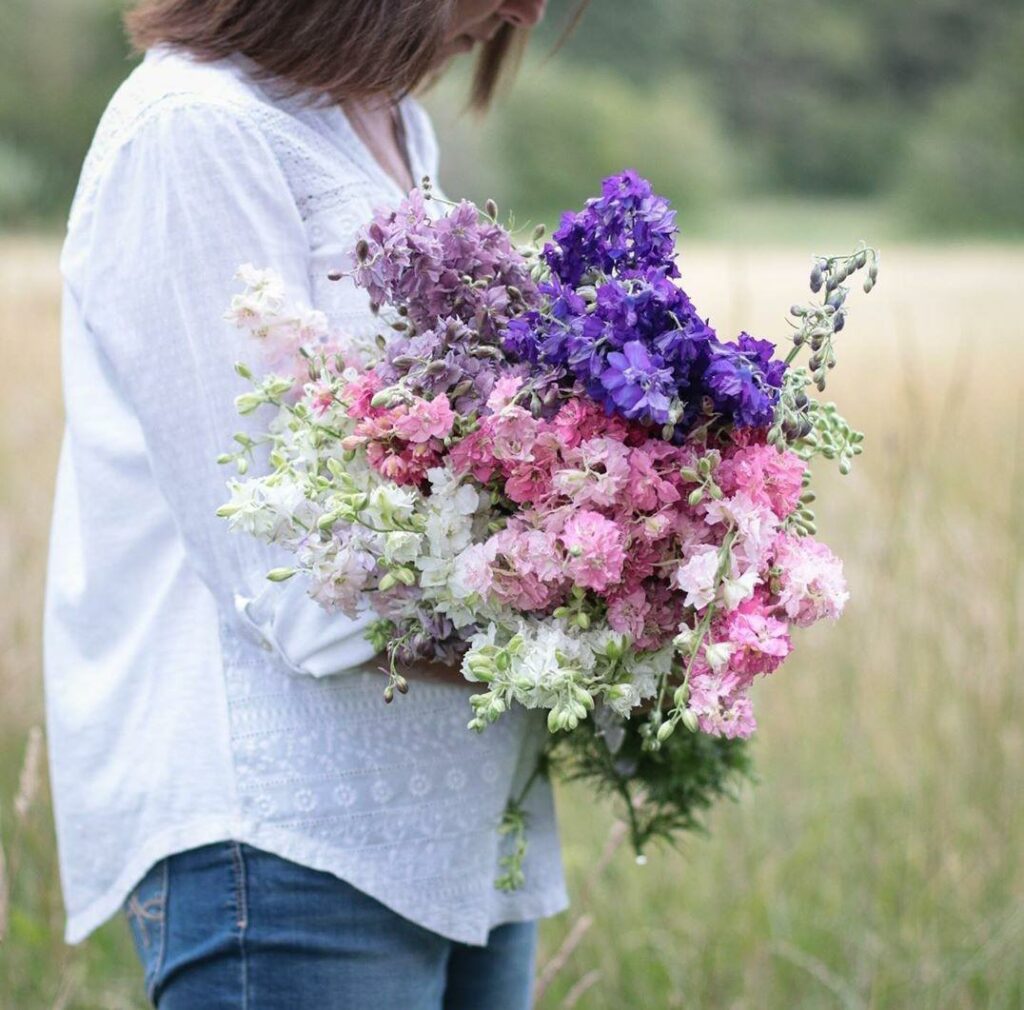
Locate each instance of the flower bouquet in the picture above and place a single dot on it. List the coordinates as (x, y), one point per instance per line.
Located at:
(550, 469)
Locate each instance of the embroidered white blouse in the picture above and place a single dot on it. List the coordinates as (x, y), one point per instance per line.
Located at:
(190, 701)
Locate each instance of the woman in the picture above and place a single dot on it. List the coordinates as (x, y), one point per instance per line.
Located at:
(223, 766)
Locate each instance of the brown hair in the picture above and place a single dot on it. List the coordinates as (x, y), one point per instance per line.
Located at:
(337, 49)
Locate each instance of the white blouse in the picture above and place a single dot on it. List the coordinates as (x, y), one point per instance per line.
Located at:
(190, 701)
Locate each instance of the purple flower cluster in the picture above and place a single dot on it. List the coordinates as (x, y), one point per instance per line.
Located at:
(629, 227)
(613, 320)
(459, 266)
(446, 359)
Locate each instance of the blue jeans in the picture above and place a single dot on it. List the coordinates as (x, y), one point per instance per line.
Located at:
(230, 927)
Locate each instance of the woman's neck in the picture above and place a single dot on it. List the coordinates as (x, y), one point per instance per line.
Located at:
(379, 126)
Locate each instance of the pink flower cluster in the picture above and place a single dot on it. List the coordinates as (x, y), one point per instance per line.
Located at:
(594, 501)
(605, 506)
(401, 442)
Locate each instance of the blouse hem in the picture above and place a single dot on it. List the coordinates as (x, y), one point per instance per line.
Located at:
(523, 907)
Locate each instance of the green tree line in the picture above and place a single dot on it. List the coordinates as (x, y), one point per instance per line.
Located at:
(921, 102)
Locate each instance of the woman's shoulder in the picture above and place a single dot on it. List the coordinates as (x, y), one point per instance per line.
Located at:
(172, 99)
(170, 86)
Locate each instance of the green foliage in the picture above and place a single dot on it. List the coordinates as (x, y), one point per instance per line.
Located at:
(966, 163)
(559, 131)
(798, 97)
(664, 792)
(59, 64)
(822, 95)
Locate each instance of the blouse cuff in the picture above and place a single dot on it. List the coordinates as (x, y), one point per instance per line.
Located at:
(309, 640)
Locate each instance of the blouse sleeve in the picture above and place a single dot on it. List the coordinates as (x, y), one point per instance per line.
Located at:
(196, 191)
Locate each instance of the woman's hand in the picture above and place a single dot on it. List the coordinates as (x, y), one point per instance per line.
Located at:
(437, 673)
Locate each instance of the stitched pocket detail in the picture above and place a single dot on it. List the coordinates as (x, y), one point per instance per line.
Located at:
(146, 911)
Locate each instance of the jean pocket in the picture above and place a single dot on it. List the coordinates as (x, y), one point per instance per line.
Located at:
(146, 910)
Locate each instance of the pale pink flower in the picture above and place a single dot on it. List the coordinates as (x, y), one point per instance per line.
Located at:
(404, 464)
(532, 551)
(646, 490)
(767, 476)
(720, 703)
(595, 473)
(756, 527)
(696, 577)
(511, 434)
(320, 396)
(811, 585)
(504, 393)
(473, 568)
(530, 480)
(595, 548)
(426, 419)
(359, 392)
(760, 642)
(580, 420)
(472, 454)
(627, 613)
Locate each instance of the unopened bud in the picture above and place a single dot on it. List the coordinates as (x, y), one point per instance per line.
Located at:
(280, 574)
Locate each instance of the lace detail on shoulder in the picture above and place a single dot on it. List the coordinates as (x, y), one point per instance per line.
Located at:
(322, 173)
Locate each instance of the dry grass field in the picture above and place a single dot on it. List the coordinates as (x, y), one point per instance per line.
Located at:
(879, 863)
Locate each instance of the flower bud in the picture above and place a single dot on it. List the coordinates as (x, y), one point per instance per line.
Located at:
(280, 574)
(690, 720)
(246, 403)
(491, 209)
(665, 730)
(406, 576)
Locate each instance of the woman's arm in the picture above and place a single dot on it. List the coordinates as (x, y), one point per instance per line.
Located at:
(196, 191)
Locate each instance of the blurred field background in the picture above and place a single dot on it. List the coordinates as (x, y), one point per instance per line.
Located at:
(878, 863)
